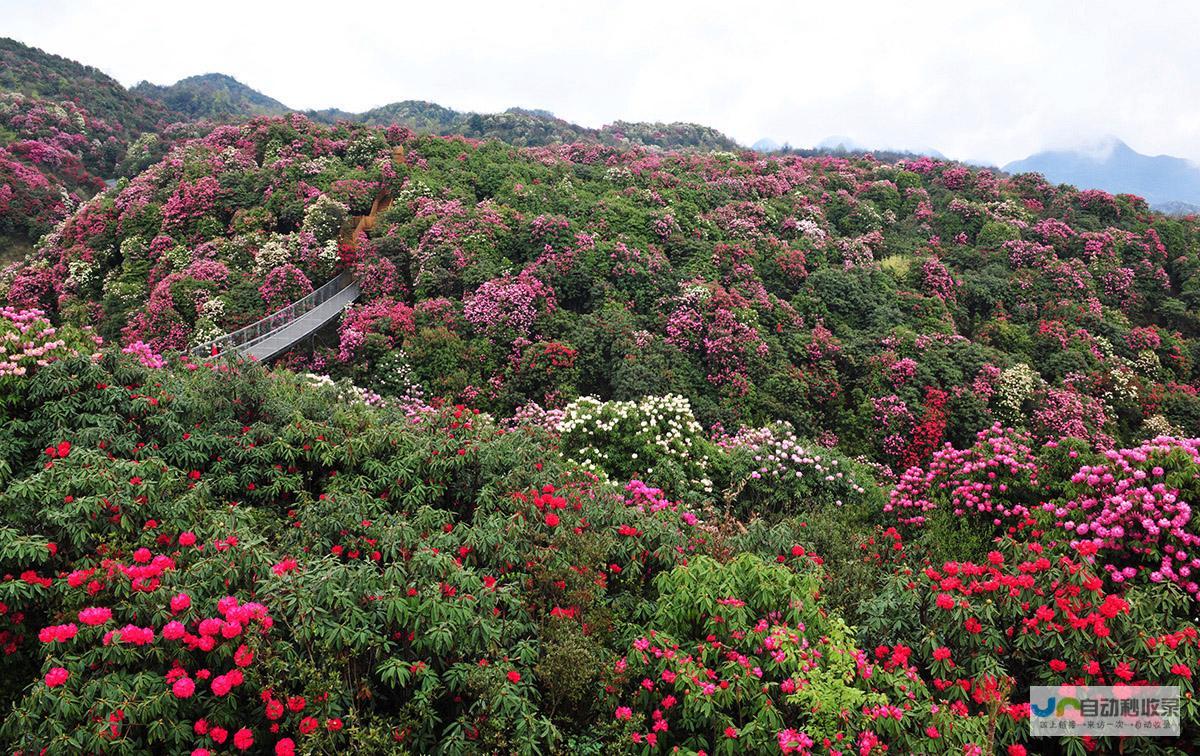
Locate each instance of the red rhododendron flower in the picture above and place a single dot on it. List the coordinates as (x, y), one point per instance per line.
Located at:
(285, 566)
(243, 739)
(514, 676)
(95, 615)
(136, 636)
(183, 688)
(58, 633)
(308, 724)
(285, 747)
(57, 676)
(221, 685)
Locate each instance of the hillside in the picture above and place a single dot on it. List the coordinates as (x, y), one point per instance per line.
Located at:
(64, 128)
(213, 96)
(40, 75)
(1117, 168)
(909, 436)
(868, 300)
(223, 98)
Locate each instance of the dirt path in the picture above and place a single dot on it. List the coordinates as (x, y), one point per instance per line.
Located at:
(364, 223)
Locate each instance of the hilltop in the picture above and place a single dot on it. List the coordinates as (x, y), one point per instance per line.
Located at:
(211, 96)
(223, 98)
(64, 129)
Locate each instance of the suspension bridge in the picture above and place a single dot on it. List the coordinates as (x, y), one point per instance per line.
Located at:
(282, 329)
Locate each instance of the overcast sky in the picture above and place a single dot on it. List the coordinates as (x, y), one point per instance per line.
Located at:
(981, 80)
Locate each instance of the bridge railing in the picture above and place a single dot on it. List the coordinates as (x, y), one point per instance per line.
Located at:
(243, 338)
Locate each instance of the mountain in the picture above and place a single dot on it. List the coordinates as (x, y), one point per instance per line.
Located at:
(223, 98)
(1116, 167)
(848, 145)
(766, 144)
(1177, 208)
(840, 144)
(213, 96)
(42, 76)
(528, 127)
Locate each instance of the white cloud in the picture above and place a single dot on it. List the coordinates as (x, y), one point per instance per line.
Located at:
(984, 80)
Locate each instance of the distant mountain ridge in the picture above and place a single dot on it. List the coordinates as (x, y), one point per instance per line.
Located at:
(223, 98)
(214, 96)
(843, 146)
(1163, 180)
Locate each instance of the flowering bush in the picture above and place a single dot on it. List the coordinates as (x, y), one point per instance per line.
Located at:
(371, 330)
(723, 674)
(773, 473)
(983, 490)
(258, 561)
(657, 437)
(28, 342)
(1030, 613)
(283, 285)
(508, 307)
(1133, 510)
